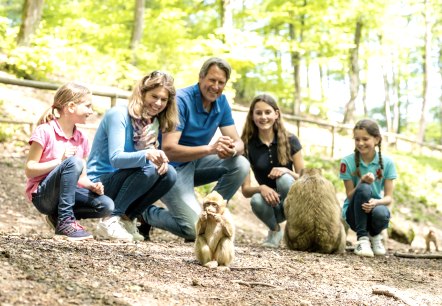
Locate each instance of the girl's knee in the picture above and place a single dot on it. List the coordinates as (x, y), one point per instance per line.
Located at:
(258, 203)
(381, 212)
(75, 162)
(284, 182)
(363, 190)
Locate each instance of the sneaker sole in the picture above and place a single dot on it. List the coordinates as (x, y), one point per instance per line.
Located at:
(64, 237)
(99, 236)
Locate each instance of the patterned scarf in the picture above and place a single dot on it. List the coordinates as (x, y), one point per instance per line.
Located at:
(145, 134)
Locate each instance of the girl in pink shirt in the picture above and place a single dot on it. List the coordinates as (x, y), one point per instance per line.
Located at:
(57, 182)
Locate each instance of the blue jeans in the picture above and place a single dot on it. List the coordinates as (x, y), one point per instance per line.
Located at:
(272, 216)
(134, 189)
(58, 194)
(362, 223)
(183, 207)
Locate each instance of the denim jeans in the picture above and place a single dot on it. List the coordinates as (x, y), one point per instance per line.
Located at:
(58, 194)
(272, 216)
(183, 208)
(134, 189)
(362, 223)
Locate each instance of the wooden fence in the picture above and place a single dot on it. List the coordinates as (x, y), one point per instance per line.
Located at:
(329, 140)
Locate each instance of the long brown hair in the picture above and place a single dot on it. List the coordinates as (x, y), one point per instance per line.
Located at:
(168, 118)
(372, 129)
(69, 92)
(251, 130)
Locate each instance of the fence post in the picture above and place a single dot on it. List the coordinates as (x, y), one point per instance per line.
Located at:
(114, 100)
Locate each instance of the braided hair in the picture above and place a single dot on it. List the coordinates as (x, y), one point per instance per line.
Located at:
(372, 129)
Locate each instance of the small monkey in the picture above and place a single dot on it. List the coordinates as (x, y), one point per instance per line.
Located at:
(431, 237)
(215, 233)
(313, 215)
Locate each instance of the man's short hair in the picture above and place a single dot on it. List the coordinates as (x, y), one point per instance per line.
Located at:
(222, 64)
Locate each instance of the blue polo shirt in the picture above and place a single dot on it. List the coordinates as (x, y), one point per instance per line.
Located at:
(197, 126)
(348, 166)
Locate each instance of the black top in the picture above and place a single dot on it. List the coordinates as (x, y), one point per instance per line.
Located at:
(263, 158)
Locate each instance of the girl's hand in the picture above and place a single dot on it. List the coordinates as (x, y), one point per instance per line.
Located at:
(369, 206)
(68, 152)
(368, 178)
(97, 187)
(277, 172)
(269, 195)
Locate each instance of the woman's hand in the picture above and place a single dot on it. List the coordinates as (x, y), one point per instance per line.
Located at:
(159, 159)
(269, 195)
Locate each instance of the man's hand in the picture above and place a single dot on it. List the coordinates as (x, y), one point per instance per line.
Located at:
(225, 147)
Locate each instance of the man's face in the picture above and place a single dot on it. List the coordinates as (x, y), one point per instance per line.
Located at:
(212, 85)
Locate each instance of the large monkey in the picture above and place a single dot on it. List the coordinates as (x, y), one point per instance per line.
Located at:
(215, 233)
(313, 215)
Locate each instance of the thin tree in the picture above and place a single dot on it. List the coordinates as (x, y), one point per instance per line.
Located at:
(426, 57)
(31, 16)
(353, 74)
(226, 20)
(137, 30)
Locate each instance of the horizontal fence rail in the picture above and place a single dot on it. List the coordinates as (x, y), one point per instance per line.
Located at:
(400, 142)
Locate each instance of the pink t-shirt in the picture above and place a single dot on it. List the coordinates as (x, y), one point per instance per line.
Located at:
(54, 143)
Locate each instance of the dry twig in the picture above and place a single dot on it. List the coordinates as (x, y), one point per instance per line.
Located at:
(394, 293)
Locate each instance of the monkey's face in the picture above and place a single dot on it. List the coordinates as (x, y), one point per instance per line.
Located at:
(211, 207)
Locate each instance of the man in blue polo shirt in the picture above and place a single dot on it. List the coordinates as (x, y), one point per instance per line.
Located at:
(202, 110)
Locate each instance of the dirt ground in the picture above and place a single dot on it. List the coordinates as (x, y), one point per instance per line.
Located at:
(37, 269)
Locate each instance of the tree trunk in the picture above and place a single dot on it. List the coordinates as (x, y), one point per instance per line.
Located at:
(31, 16)
(440, 99)
(353, 74)
(396, 103)
(137, 30)
(364, 98)
(227, 20)
(387, 103)
(296, 63)
(426, 69)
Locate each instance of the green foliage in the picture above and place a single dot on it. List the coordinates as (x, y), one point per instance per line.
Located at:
(330, 169)
(6, 132)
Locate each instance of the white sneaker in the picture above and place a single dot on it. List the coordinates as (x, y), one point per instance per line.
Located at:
(131, 228)
(113, 229)
(377, 245)
(363, 247)
(273, 239)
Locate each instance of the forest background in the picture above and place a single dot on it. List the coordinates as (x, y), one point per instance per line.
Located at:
(336, 61)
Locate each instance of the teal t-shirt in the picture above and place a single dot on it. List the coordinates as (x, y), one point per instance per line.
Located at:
(348, 166)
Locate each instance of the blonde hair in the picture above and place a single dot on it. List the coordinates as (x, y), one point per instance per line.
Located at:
(69, 92)
(168, 118)
(250, 129)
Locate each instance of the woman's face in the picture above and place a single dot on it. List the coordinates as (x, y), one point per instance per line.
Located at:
(264, 116)
(155, 101)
